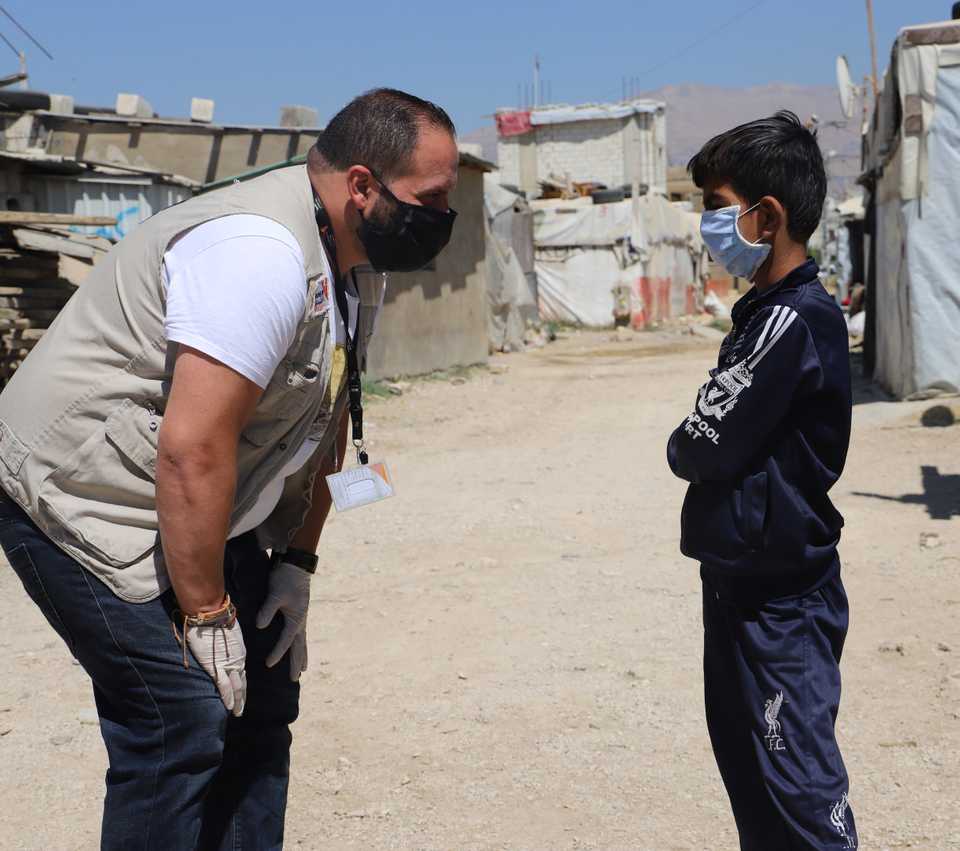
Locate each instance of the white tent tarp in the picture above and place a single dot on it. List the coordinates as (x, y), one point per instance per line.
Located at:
(584, 251)
(512, 303)
(581, 223)
(576, 285)
(917, 311)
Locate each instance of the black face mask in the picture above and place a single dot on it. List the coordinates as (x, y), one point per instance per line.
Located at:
(410, 236)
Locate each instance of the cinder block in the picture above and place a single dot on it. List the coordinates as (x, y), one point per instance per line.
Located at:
(61, 104)
(201, 110)
(133, 106)
(20, 133)
(298, 116)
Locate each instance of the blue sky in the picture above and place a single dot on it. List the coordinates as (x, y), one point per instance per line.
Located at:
(253, 57)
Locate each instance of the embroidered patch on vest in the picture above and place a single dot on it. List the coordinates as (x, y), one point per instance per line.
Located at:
(321, 297)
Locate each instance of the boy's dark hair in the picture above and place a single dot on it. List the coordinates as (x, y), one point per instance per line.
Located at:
(379, 129)
(775, 156)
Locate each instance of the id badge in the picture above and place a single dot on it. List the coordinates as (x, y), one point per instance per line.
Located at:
(360, 486)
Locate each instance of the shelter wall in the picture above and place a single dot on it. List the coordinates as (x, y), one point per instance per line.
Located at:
(917, 300)
(508, 161)
(199, 152)
(613, 151)
(130, 200)
(584, 150)
(436, 318)
(650, 248)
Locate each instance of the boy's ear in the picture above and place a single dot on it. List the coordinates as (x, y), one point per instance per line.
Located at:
(772, 217)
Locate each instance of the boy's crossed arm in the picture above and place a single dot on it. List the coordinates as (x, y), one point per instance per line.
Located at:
(745, 401)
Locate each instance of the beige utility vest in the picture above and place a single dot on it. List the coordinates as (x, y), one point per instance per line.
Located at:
(79, 421)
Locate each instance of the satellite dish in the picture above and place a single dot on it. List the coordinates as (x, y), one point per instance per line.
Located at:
(848, 91)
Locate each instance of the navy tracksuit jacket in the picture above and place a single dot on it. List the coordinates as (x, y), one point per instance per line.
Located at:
(767, 439)
(765, 442)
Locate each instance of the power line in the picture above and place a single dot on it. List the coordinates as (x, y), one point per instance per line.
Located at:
(10, 45)
(698, 41)
(24, 30)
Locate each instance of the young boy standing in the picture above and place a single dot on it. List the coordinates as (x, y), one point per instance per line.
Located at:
(766, 441)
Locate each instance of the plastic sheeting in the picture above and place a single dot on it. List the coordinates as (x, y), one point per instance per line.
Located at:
(648, 245)
(496, 199)
(918, 255)
(513, 123)
(917, 78)
(576, 285)
(581, 223)
(908, 96)
(511, 288)
(593, 112)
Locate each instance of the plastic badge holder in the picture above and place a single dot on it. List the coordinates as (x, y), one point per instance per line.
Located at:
(360, 486)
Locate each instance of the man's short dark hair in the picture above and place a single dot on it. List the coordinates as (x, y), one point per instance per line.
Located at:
(379, 129)
(775, 156)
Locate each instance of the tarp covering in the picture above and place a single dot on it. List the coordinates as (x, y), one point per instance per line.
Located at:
(513, 123)
(593, 111)
(918, 212)
(511, 283)
(576, 284)
(496, 199)
(516, 122)
(584, 252)
(581, 223)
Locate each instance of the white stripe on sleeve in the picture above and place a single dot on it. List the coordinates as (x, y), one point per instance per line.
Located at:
(790, 316)
(763, 334)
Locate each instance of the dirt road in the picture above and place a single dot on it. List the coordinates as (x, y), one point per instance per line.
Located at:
(507, 655)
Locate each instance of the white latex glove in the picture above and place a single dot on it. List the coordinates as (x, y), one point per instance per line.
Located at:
(220, 651)
(289, 594)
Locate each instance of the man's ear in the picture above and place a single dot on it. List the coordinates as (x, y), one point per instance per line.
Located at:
(359, 184)
(771, 217)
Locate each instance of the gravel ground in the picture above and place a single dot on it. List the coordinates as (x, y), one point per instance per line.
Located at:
(507, 655)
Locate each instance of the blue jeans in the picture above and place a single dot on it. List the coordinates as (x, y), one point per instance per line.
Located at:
(183, 774)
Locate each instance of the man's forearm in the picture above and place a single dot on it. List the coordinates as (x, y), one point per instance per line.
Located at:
(308, 536)
(195, 493)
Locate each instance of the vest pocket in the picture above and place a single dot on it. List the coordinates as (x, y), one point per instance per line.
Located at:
(104, 494)
(285, 397)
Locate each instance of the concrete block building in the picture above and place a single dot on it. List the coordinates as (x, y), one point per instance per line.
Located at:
(614, 144)
(91, 161)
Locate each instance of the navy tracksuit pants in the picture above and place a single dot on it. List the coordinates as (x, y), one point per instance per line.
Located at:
(772, 689)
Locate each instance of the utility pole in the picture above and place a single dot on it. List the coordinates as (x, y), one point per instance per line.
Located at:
(536, 80)
(23, 69)
(866, 109)
(873, 48)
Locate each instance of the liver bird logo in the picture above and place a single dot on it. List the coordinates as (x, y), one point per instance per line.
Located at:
(771, 714)
(838, 818)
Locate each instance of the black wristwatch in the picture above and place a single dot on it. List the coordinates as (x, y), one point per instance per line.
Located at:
(298, 558)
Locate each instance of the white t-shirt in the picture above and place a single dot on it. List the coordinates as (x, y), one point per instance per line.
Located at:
(236, 291)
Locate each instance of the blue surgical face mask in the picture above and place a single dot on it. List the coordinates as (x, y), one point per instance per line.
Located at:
(721, 233)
